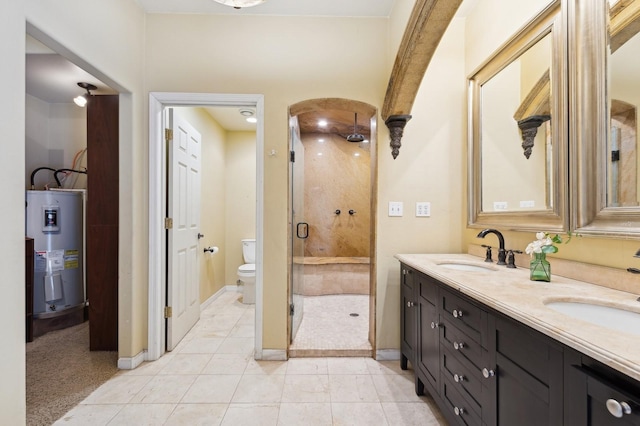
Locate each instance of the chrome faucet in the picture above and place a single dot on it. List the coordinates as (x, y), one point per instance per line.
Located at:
(502, 254)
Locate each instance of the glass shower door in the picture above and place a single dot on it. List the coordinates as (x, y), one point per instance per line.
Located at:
(299, 228)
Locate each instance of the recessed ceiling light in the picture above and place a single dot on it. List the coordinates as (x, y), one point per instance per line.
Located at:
(246, 112)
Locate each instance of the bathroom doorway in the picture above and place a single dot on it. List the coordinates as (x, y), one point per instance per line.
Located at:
(158, 102)
(332, 179)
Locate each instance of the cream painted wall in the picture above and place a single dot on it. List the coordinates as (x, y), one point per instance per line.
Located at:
(287, 60)
(115, 50)
(429, 168)
(240, 200)
(12, 171)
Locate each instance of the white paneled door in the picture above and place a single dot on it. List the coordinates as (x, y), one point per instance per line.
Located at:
(183, 207)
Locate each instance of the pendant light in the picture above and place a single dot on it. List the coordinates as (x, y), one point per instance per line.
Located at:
(239, 4)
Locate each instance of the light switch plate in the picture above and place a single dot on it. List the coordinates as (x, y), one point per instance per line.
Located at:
(423, 209)
(395, 208)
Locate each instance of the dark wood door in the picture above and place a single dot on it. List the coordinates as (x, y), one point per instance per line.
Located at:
(527, 380)
(102, 221)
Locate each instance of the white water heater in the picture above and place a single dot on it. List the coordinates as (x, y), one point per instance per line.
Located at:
(54, 220)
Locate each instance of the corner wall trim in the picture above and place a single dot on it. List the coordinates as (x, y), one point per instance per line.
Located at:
(272, 355)
(388, 355)
(129, 363)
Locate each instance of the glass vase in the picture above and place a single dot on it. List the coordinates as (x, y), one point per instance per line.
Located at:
(539, 268)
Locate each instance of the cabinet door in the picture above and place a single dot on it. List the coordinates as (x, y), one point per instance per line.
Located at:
(596, 395)
(428, 336)
(527, 377)
(408, 318)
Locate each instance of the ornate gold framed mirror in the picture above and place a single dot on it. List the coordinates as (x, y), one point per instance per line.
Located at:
(517, 158)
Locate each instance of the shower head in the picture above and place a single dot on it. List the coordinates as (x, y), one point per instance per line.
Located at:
(355, 136)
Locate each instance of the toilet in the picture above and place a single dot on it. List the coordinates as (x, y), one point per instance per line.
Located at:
(247, 272)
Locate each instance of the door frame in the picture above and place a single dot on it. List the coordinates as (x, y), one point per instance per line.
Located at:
(157, 199)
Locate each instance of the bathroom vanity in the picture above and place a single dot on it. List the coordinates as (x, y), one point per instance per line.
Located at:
(485, 343)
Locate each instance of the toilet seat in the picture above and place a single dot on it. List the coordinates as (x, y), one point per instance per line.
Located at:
(248, 269)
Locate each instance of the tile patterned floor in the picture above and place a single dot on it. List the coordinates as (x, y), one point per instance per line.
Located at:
(212, 379)
(327, 325)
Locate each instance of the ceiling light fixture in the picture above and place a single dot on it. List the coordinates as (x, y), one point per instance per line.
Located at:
(239, 4)
(81, 100)
(249, 114)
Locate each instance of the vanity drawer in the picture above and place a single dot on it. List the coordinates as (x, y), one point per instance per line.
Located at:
(466, 316)
(465, 376)
(460, 409)
(454, 339)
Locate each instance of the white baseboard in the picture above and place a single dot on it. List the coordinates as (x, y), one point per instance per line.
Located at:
(131, 362)
(388, 354)
(271, 355)
(217, 294)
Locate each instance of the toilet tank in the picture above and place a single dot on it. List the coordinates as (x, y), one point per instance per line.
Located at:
(249, 250)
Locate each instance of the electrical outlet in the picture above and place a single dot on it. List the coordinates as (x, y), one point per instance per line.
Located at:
(500, 205)
(423, 209)
(395, 208)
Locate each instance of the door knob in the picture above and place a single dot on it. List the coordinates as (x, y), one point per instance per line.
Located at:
(200, 235)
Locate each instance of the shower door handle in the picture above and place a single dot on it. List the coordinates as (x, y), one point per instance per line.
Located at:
(304, 227)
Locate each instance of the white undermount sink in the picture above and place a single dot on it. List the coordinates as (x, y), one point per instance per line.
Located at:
(606, 316)
(465, 266)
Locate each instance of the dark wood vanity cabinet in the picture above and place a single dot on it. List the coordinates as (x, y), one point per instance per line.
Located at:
(484, 368)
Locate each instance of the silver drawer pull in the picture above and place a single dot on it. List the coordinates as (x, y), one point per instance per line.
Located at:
(457, 313)
(458, 411)
(410, 304)
(488, 373)
(458, 378)
(435, 324)
(458, 345)
(618, 409)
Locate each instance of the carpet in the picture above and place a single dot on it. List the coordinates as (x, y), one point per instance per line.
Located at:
(61, 372)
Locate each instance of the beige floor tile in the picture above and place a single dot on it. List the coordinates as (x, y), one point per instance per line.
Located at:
(197, 415)
(118, 390)
(306, 388)
(307, 366)
(142, 415)
(164, 389)
(243, 330)
(358, 414)
(259, 389)
(202, 345)
(237, 345)
(186, 364)
(386, 367)
(212, 389)
(265, 367)
(308, 414)
(226, 364)
(347, 366)
(411, 413)
(352, 388)
(95, 415)
(251, 415)
(395, 388)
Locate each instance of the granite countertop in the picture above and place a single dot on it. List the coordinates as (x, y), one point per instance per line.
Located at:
(511, 292)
